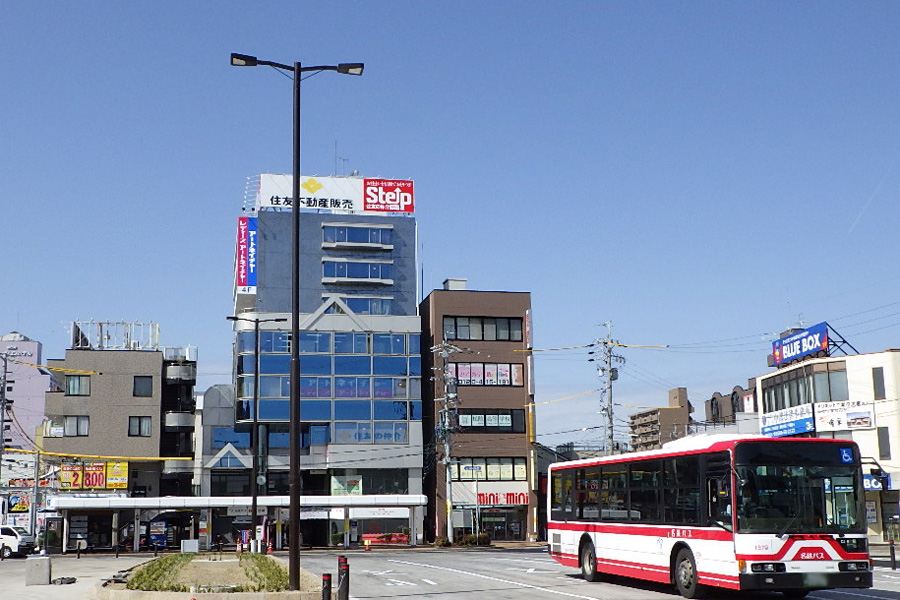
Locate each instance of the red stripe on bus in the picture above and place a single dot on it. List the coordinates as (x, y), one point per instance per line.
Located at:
(666, 531)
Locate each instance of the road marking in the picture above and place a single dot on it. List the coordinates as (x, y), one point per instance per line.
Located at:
(528, 570)
(399, 582)
(429, 582)
(497, 579)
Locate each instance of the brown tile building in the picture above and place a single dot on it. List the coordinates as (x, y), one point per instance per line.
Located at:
(652, 428)
(477, 345)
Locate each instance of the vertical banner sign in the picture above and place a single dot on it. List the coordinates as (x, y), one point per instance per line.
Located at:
(71, 477)
(245, 261)
(117, 475)
(95, 475)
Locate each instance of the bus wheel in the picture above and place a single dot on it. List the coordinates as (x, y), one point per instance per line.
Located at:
(795, 593)
(589, 563)
(686, 574)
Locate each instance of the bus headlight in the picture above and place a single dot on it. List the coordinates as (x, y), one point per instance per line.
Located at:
(767, 567)
(856, 565)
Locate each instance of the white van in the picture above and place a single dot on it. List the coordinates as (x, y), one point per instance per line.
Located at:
(15, 540)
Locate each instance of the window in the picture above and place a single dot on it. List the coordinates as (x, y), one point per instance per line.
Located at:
(489, 469)
(346, 234)
(492, 420)
(356, 270)
(143, 386)
(483, 328)
(487, 373)
(139, 426)
(884, 443)
(227, 435)
(78, 385)
(878, 382)
(351, 343)
(76, 426)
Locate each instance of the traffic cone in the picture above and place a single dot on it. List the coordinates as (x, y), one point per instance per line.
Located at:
(269, 546)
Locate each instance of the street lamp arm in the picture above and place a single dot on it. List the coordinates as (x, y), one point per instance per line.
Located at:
(245, 60)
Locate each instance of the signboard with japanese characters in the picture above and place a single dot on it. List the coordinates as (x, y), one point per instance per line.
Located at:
(337, 194)
(71, 477)
(117, 475)
(787, 421)
(844, 415)
(245, 258)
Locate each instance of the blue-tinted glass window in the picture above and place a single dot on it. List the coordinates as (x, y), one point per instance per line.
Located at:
(390, 387)
(415, 410)
(270, 387)
(319, 435)
(245, 387)
(245, 342)
(273, 364)
(242, 410)
(364, 433)
(352, 365)
(345, 387)
(363, 387)
(390, 411)
(358, 235)
(274, 410)
(352, 410)
(415, 388)
(315, 387)
(279, 439)
(415, 365)
(401, 433)
(345, 433)
(385, 236)
(388, 343)
(351, 343)
(415, 341)
(315, 410)
(245, 364)
(269, 341)
(315, 341)
(315, 365)
(384, 433)
(357, 270)
(227, 435)
(324, 387)
(390, 365)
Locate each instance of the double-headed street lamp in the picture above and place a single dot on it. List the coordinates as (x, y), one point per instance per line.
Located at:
(243, 60)
(254, 437)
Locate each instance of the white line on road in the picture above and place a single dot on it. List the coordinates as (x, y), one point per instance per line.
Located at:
(497, 579)
(429, 582)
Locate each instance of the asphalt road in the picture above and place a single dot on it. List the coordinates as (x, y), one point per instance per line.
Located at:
(453, 574)
(501, 574)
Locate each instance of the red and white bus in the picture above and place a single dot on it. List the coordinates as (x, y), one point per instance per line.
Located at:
(717, 511)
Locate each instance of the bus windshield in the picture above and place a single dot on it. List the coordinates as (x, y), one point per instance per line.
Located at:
(793, 496)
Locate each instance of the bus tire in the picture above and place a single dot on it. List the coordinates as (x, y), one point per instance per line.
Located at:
(589, 563)
(686, 574)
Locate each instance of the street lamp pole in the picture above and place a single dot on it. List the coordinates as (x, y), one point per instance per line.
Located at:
(254, 436)
(243, 60)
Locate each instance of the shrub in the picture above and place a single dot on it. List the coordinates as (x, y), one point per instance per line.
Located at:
(442, 542)
(160, 574)
(265, 573)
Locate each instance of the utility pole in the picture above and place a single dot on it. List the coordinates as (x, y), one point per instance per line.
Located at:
(448, 421)
(3, 425)
(610, 374)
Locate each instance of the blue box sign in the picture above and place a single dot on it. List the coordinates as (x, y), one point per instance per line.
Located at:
(800, 344)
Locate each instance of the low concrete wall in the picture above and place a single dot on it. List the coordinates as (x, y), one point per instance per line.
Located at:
(106, 593)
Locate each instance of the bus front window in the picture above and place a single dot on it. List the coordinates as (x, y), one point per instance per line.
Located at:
(798, 499)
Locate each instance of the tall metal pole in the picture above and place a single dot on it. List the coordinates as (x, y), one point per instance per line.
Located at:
(294, 476)
(609, 389)
(254, 438)
(34, 494)
(4, 358)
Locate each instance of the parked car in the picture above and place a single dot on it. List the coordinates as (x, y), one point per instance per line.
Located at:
(15, 540)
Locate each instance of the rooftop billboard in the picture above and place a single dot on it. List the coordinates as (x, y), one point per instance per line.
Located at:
(800, 344)
(338, 194)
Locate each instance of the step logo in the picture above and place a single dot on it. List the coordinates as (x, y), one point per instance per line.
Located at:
(388, 195)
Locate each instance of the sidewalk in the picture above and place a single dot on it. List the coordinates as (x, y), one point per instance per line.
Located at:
(88, 571)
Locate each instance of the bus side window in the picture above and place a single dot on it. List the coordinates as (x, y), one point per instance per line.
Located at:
(563, 501)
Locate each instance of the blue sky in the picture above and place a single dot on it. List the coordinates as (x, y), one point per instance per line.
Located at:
(702, 174)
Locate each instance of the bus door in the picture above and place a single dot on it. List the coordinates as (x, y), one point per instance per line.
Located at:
(718, 490)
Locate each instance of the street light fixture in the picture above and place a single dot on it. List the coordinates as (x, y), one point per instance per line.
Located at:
(254, 437)
(244, 60)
